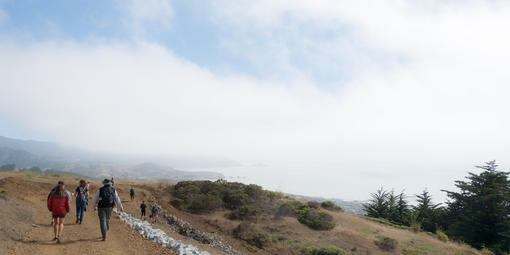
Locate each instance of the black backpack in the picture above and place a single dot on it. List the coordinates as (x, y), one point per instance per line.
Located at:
(106, 197)
(82, 194)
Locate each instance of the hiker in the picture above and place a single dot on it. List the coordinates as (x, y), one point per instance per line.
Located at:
(143, 207)
(82, 194)
(104, 201)
(67, 193)
(112, 181)
(132, 193)
(59, 205)
(154, 213)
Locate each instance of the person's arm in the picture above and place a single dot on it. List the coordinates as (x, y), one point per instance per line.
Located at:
(117, 200)
(49, 203)
(96, 199)
(68, 205)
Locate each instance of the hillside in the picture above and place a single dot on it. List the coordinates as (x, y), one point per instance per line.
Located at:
(45, 155)
(262, 223)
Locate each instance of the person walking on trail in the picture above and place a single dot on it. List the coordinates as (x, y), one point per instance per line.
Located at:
(143, 208)
(132, 193)
(154, 213)
(59, 204)
(67, 193)
(104, 201)
(82, 194)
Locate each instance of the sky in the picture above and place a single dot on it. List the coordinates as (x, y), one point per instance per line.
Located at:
(337, 98)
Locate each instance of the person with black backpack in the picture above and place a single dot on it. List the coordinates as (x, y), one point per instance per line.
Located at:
(104, 201)
(82, 194)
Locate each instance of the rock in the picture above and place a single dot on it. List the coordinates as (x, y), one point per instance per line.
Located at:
(159, 236)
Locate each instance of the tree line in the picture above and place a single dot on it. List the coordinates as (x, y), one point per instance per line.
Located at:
(477, 214)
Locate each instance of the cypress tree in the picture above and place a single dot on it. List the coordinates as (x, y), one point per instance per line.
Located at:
(479, 214)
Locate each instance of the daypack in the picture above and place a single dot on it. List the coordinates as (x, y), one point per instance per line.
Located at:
(106, 197)
(82, 194)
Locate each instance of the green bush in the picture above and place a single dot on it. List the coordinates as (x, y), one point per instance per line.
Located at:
(329, 205)
(203, 203)
(326, 250)
(247, 232)
(250, 248)
(315, 219)
(442, 236)
(243, 213)
(286, 209)
(207, 196)
(177, 203)
(386, 243)
(314, 204)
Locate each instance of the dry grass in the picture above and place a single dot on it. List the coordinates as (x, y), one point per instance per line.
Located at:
(352, 233)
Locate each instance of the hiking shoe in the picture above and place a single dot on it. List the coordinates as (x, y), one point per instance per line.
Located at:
(77, 220)
(58, 240)
(54, 239)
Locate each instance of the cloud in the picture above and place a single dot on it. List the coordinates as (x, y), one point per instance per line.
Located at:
(145, 16)
(415, 90)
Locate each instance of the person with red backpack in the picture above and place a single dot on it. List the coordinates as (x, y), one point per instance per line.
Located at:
(82, 194)
(104, 201)
(59, 204)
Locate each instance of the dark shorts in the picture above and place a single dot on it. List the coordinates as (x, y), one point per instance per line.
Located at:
(59, 216)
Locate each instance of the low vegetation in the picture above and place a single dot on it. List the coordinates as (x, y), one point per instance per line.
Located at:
(326, 250)
(328, 205)
(386, 243)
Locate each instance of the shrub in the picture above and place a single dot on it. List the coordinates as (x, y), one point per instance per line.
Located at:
(442, 236)
(486, 251)
(285, 209)
(245, 212)
(314, 204)
(386, 243)
(250, 248)
(247, 232)
(177, 203)
(207, 196)
(315, 219)
(415, 227)
(204, 203)
(329, 205)
(326, 250)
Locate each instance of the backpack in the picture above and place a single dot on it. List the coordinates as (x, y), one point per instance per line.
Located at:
(106, 197)
(82, 194)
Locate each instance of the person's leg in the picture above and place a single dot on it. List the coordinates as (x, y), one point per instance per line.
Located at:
(102, 221)
(81, 211)
(77, 211)
(60, 226)
(55, 227)
(108, 215)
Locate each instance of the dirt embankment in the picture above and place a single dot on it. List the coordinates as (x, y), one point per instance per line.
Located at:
(23, 197)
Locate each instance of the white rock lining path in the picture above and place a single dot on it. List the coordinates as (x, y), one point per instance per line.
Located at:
(159, 236)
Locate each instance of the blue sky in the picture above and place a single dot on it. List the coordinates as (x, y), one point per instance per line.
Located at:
(366, 90)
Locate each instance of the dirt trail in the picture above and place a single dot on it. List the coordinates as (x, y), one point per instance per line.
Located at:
(81, 239)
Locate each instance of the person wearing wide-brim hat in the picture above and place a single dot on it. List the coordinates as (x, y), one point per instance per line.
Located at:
(104, 201)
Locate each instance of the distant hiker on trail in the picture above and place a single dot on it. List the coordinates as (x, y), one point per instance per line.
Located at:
(112, 181)
(132, 193)
(154, 213)
(53, 192)
(104, 201)
(82, 194)
(59, 204)
(143, 208)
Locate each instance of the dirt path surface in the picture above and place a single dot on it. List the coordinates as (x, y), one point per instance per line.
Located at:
(76, 238)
